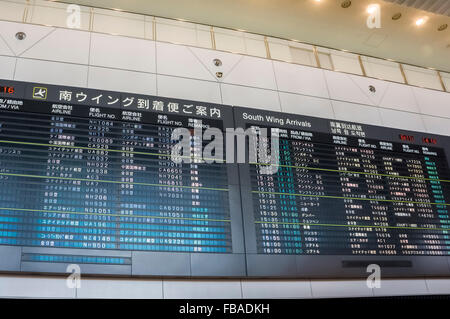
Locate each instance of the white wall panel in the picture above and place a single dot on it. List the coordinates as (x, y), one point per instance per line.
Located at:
(356, 113)
(179, 60)
(120, 288)
(253, 72)
(382, 69)
(402, 120)
(257, 289)
(366, 84)
(399, 97)
(12, 10)
(183, 32)
(7, 65)
(119, 23)
(199, 289)
(148, 28)
(342, 87)
(55, 14)
(189, 89)
(438, 286)
(340, 289)
(446, 79)
(122, 81)
(279, 49)
(432, 102)
(302, 53)
(228, 60)
(51, 72)
(306, 105)
(123, 53)
(35, 287)
(229, 40)
(33, 33)
(4, 49)
(437, 125)
(176, 31)
(63, 46)
(255, 46)
(250, 97)
(422, 77)
(300, 79)
(401, 287)
(344, 61)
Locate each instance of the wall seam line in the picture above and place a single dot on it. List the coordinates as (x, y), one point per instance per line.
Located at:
(34, 44)
(233, 67)
(203, 64)
(156, 67)
(329, 95)
(426, 285)
(420, 111)
(220, 92)
(276, 86)
(162, 289)
(6, 43)
(310, 287)
(89, 60)
(15, 68)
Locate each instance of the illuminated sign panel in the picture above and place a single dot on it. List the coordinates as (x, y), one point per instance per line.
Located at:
(7, 89)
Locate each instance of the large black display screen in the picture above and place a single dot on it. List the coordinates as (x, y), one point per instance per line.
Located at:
(344, 194)
(92, 170)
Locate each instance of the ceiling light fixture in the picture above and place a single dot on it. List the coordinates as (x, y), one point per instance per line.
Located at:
(396, 16)
(442, 27)
(345, 4)
(420, 22)
(372, 9)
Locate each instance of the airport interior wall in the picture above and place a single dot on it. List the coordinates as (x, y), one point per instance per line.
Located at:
(122, 63)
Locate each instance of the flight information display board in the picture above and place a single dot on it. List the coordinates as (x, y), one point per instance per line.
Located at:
(344, 196)
(87, 178)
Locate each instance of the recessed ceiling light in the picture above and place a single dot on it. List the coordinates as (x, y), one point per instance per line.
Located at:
(372, 8)
(396, 16)
(420, 22)
(345, 4)
(442, 27)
